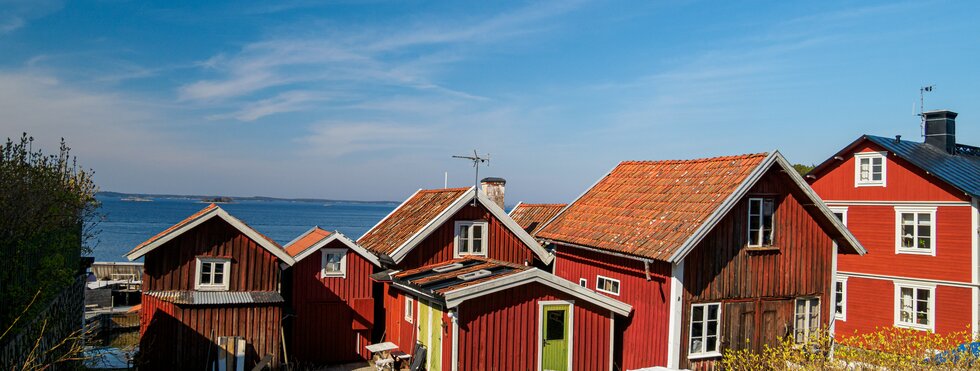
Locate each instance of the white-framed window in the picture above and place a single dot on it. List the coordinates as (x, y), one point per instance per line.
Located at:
(333, 263)
(869, 169)
(915, 306)
(806, 319)
(705, 330)
(840, 298)
(840, 212)
(915, 230)
(760, 221)
(607, 285)
(583, 282)
(471, 238)
(212, 274)
(409, 310)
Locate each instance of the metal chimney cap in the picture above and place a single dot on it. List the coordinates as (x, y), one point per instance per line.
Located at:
(494, 180)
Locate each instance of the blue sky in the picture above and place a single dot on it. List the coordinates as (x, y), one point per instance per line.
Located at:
(368, 99)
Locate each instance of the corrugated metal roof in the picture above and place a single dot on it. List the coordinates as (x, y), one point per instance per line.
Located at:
(217, 297)
(961, 170)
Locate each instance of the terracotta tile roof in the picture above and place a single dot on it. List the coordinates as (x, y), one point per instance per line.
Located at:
(308, 239)
(531, 217)
(408, 219)
(440, 283)
(174, 227)
(650, 208)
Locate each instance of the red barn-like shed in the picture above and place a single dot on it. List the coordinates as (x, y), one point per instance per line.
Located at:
(209, 276)
(483, 314)
(330, 291)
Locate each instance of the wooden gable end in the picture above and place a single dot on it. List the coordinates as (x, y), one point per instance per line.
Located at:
(173, 266)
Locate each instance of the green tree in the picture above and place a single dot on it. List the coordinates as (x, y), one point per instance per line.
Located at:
(803, 169)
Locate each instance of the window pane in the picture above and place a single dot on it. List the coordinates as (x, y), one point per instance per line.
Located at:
(697, 330)
(697, 314)
(713, 312)
(206, 273)
(908, 219)
(754, 237)
(615, 287)
(555, 325)
(711, 344)
(754, 207)
(477, 244)
(219, 268)
(925, 218)
(219, 278)
(712, 327)
(696, 345)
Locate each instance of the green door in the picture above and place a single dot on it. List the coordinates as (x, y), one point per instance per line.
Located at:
(554, 345)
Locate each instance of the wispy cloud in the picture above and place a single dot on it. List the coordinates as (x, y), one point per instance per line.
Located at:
(290, 101)
(14, 14)
(336, 139)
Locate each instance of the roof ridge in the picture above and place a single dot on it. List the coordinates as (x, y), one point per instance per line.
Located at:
(445, 189)
(702, 159)
(555, 204)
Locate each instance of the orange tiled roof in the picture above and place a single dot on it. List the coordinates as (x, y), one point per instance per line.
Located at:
(650, 208)
(408, 219)
(179, 224)
(472, 264)
(305, 241)
(531, 217)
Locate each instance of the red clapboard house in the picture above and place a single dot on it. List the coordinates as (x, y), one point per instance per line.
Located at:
(914, 205)
(712, 254)
(207, 278)
(330, 292)
(500, 316)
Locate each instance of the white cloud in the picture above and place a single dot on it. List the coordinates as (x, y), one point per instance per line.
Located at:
(336, 139)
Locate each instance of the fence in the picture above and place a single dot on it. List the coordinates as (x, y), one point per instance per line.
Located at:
(62, 318)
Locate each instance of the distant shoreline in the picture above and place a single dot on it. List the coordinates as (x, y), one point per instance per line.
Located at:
(235, 198)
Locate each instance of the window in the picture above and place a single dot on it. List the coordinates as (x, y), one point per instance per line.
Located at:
(840, 212)
(869, 169)
(212, 274)
(760, 221)
(914, 307)
(333, 262)
(806, 319)
(704, 330)
(583, 282)
(471, 238)
(840, 298)
(409, 309)
(915, 230)
(607, 285)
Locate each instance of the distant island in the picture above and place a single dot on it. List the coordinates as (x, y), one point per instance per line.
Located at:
(227, 199)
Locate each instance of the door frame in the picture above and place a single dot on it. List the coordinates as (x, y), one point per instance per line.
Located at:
(570, 324)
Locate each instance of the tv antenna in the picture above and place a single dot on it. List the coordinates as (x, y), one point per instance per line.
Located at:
(922, 103)
(477, 160)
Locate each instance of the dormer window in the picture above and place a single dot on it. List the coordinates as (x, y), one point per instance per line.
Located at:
(212, 274)
(471, 238)
(869, 169)
(760, 221)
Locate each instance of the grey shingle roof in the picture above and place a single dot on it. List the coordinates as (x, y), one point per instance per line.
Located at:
(961, 170)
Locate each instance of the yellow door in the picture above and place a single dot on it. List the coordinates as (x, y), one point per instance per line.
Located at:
(430, 333)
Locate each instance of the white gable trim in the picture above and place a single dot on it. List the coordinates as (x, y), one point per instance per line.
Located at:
(515, 207)
(774, 158)
(332, 237)
(402, 251)
(221, 213)
(391, 213)
(456, 297)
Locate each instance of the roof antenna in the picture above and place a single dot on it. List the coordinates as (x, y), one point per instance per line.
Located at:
(477, 160)
(922, 102)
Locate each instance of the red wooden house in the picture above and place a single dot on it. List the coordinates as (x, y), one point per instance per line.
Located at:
(208, 277)
(914, 206)
(712, 254)
(482, 314)
(331, 293)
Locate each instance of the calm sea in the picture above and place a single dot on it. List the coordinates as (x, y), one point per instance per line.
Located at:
(128, 223)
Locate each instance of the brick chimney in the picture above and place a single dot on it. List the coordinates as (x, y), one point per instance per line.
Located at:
(494, 188)
(941, 130)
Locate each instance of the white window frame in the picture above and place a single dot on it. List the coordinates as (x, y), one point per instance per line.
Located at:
(842, 316)
(748, 225)
(226, 273)
(870, 156)
(470, 224)
(898, 230)
(619, 285)
(899, 285)
(806, 319)
(583, 282)
(343, 263)
(704, 332)
(409, 309)
(842, 210)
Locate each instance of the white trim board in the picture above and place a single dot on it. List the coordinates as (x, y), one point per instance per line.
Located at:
(907, 279)
(675, 330)
(334, 236)
(217, 211)
(895, 203)
(975, 271)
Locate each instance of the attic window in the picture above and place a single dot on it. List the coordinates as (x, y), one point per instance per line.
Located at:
(471, 238)
(333, 263)
(212, 274)
(760, 221)
(869, 169)
(447, 267)
(474, 275)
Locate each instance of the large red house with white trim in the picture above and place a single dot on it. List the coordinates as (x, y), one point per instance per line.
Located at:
(914, 206)
(712, 254)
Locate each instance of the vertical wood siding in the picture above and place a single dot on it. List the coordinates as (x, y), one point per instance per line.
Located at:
(182, 337)
(641, 339)
(500, 331)
(438, 247)
(173, 265)
(720, 269)
(328, 322)
(398, 330)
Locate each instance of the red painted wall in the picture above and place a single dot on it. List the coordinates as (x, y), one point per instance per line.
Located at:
(176, 337)
(398, 330)
(867, 296)
(339, 306)
(641, 339)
